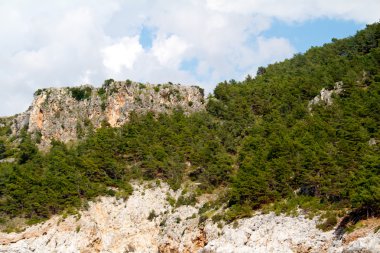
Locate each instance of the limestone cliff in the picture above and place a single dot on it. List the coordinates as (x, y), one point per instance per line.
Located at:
(66, 114)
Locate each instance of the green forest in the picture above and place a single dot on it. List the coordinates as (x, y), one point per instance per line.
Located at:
(258, 138)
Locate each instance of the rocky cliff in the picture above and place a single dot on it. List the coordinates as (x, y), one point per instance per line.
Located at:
(66, 114)
(149, 222)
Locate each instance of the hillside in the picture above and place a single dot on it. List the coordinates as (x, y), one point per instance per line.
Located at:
(302, 136)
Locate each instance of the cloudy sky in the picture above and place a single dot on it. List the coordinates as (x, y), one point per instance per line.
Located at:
(195, 42)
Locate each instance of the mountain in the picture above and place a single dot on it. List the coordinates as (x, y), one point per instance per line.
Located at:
(300, 138)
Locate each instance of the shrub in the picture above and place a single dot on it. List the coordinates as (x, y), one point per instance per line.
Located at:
(81, 93)
(329, 222)
(103, 106)
(152, 215)
(107, 83)
(38, 92)
(101, 92)
(171, 200)
(216, 218)
(186, 201)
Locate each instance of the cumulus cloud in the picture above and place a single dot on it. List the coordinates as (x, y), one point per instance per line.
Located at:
(299, 10)
(62, 43)
(169, 51)
(122, 54)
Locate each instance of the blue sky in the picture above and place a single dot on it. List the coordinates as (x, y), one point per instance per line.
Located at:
(198, 42)
(315, 32)
(301, 35)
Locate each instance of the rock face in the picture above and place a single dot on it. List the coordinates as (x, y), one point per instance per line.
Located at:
(66, 114)
(146, 222)
(325, 96)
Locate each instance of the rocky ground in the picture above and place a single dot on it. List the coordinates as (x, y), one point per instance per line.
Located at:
(147, 222)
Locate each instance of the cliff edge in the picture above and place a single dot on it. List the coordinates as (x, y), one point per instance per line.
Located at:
(68, 114)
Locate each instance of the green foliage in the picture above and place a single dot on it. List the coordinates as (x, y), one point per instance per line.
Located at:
(257, 138)
(80, 130)
(38, 92)
(171, 200)
(80, 93)
(237, 212)
(310, 205)
(329, 221)
(38, 137)
(152, 215)
(283, 148)
(186, 201)
(201, 90)
(28, 149)
(2, 149)
(5, 130)
(107, 83)
(102, 92)
(216, 218)
(103, 106)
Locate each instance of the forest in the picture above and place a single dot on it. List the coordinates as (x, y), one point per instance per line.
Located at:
(258, 138)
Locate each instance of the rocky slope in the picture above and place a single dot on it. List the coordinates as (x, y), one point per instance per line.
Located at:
(146, 222)
(67, 114)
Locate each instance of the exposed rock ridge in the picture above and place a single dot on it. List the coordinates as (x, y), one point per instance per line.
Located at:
(66, 114)
(325, 96)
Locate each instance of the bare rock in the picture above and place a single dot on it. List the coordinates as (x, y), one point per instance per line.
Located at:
(115, 225)
(325, 96)
(67, 114)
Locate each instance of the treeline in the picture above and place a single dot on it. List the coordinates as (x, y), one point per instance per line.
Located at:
(168, 147)
(331, 152)
(257, 137)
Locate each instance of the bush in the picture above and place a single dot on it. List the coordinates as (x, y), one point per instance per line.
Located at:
(2, 149)
(186, 201)
(152, 215)
(329, 222)
(216, 218)
(107, 83)
(81, 93)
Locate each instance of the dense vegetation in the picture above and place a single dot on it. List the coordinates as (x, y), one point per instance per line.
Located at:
(257, 137)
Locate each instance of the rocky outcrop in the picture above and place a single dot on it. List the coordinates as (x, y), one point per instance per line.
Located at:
(147, 222)
(66, 114)
(325, 96)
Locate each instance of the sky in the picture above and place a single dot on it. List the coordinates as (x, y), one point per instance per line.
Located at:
(193, 42)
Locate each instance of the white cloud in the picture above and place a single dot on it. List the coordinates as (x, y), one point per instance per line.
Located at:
(169, 50)
(299, 10)
(122, 54)
(60, 43)
(272, 49)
